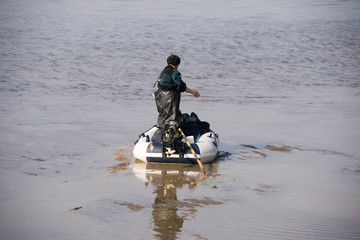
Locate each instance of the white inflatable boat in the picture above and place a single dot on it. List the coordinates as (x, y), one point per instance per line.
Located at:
(148, 149)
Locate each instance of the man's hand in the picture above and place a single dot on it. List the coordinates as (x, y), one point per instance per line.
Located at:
(196, 94)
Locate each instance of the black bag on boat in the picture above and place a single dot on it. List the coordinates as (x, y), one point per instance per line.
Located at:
(189, 124)
(192, 126)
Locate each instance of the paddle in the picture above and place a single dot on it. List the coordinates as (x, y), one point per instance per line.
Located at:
(193, 152)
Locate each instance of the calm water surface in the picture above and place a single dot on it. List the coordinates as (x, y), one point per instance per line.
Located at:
(279, 82)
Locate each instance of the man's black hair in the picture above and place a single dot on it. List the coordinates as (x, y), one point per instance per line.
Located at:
(173, 60)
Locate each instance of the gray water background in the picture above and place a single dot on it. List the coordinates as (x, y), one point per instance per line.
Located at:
(75, 85)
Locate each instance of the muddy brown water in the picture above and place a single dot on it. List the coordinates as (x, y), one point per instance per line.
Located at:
(279, 83)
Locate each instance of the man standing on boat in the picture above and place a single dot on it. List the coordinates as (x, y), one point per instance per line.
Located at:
(168, 95)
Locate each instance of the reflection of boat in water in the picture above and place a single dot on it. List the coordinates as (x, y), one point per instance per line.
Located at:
(169, 213)
(176, 174)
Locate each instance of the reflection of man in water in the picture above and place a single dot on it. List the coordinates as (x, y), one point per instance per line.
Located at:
(167, 97)
(166, 220)
(169, 214)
